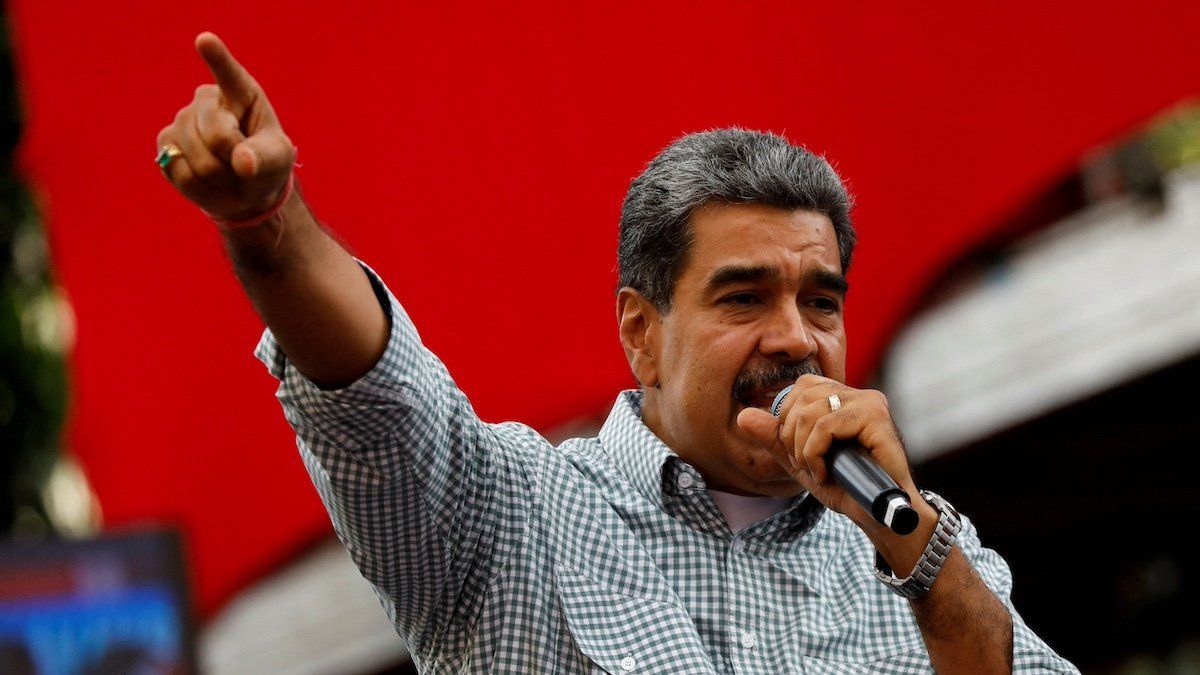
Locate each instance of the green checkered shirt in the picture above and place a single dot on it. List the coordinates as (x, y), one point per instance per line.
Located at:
(492, 550)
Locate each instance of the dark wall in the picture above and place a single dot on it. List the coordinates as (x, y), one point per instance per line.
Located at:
(1094, 509)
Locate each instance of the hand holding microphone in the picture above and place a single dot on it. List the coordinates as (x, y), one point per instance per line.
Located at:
(818, 428)
(863, 479)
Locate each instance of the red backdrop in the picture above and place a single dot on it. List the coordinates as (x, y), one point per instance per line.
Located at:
(477, 155)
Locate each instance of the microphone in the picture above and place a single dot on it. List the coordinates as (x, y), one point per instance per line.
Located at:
(865, 481)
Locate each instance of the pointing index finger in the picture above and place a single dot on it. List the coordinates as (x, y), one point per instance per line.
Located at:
(237, 86)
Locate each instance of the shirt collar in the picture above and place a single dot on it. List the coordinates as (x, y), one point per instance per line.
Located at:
(637, 452)
(642, 457)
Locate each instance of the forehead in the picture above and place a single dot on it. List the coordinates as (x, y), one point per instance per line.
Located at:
(758, 234)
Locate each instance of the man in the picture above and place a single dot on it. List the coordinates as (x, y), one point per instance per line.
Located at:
(698, 532)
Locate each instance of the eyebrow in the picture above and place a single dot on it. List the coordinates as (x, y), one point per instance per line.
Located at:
(830, 281)
(741, 274)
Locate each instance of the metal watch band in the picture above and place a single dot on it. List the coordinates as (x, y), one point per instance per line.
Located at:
(930, 563)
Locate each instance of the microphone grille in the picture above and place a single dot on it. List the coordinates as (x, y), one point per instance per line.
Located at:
(779, 399)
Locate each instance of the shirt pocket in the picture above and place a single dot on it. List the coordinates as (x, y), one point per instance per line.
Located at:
(912, 662)
(624, 634)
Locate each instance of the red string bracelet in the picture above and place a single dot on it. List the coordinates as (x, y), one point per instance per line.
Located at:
(262, 217)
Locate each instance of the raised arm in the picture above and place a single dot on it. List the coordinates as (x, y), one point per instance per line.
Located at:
(235, 162)
(426, 497)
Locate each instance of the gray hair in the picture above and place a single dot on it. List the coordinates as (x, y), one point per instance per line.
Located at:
(723, 166)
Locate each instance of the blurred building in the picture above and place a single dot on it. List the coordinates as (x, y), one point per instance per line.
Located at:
(1047, 383)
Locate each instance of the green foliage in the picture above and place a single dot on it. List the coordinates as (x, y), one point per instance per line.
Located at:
(32, 328)
(1174, 139)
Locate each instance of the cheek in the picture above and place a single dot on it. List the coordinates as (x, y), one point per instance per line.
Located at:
(833, 356)
(705, 368)
(718, 348)
(727, 353)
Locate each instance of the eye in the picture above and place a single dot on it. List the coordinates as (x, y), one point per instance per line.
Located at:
(827, 305)
(740, 299)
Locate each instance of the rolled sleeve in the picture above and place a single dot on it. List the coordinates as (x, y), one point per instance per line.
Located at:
(407, 378)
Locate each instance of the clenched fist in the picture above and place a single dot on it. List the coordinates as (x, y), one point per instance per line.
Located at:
(234, 160)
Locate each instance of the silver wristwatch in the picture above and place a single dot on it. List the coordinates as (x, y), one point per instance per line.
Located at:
(930, 563)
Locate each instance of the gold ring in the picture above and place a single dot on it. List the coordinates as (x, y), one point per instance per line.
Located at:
(165, 154)
(835, 403)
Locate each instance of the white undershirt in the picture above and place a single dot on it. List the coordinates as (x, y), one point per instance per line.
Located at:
(742, 511)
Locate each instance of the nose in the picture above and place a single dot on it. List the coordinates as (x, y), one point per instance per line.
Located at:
(787, 335)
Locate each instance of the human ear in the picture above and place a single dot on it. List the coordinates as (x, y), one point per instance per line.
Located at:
(638, 323)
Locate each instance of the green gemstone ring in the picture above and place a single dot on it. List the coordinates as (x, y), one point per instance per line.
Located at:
(166, 154)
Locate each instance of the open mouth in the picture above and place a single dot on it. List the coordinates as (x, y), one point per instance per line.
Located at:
(759, 397)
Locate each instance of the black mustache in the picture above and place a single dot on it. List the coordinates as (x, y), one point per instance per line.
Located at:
(779, 375)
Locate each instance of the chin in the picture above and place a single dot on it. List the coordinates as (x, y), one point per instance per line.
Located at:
(761, 474)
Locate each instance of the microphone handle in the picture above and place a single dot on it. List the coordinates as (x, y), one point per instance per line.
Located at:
(871, 486)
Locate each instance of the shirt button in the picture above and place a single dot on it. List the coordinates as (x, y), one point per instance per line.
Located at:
(748, 640)
(628, 664)
(685, 481)
(739, 545)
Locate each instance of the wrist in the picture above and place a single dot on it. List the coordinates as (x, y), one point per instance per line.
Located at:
(273, 246)
(925, 570)
(901, 552)
(246, 221)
